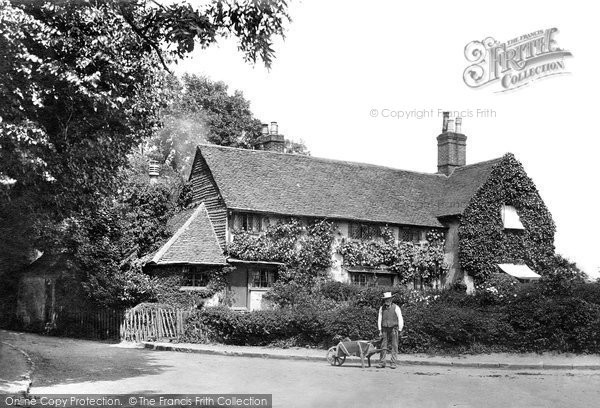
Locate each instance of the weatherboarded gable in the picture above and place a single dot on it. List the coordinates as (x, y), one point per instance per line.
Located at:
(205, 190)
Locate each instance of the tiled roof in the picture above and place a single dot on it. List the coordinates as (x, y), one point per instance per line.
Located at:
(307, 186)
(194, 241)
(462, 185)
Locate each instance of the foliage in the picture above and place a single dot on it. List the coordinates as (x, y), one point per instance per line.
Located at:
(563, 323)
(80, 87)
(483, 241)
(408, 259)
(199, 110)
(590, 292)
(498, 288)
(80, 83)
(166, 289)
(305, 249)
(450, 322)
(287, 294)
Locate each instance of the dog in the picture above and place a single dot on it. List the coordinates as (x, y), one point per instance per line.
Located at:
(359, 348)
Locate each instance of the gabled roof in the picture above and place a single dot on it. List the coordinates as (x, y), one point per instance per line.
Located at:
(270, 182)
(462, 185)
(194, 241)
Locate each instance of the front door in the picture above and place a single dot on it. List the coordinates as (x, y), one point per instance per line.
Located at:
(238, 288)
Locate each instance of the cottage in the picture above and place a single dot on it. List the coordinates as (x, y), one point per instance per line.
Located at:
(248, 190)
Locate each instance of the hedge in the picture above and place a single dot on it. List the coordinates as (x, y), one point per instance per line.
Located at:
(447, 322)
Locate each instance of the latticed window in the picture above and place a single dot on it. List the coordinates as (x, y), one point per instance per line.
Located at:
(359, 279)
(364, 231)
(371, 279)
(411, 234)
(248, 222)
(263, 278)
(195, 277)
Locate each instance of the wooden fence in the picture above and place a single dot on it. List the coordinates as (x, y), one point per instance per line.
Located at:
(101, 324)
(152, 322)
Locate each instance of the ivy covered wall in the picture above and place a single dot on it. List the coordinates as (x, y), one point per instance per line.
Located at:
(484, 242)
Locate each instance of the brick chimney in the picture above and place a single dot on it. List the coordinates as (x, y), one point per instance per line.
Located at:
(452, 146)
(270, 139)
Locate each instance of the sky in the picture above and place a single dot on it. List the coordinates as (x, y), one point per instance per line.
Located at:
(348, 75)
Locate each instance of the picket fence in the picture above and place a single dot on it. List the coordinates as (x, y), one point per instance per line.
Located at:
(153, 322)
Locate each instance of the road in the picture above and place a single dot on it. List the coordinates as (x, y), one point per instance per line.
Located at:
(77, 366)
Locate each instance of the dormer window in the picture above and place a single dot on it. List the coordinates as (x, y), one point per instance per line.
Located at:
(510, 218)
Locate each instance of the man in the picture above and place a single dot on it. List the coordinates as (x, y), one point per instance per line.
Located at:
(389, 322)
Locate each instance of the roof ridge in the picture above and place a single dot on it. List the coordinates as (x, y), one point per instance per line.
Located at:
(481, 162)
(322, 159)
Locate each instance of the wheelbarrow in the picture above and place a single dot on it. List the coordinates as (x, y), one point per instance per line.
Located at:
(365, 349)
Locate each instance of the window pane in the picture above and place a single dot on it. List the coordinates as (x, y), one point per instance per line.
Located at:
(354, 231)
(196, 278)
(256, 223)
(237, 222)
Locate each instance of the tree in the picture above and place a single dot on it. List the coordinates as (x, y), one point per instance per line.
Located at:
(79, 88)
(199, 110)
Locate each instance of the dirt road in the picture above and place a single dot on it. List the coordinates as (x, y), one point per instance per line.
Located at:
(75, 366)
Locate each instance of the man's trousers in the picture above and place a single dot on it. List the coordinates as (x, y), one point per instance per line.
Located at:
(389, 334)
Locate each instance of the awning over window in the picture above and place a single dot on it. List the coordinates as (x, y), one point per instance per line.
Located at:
(519, 271)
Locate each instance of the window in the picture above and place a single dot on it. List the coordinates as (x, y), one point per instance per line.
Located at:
(410, 234)
(262, 278)
(510, 218)
(248, 222)
(371, 279)
(364, 231)
(359, 279)
(197, 278)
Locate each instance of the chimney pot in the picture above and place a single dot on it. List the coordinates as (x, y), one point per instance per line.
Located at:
(445, 122)
(458, 124)
(450, 125)
(270, 139)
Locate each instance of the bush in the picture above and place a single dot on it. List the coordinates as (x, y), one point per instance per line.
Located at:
(338, 291)
(498, 288)
(590, 292)
(256, 328)
(448, 321)
(287, 294)
(563, 324)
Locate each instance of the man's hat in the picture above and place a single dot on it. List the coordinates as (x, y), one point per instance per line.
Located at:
(387, 295)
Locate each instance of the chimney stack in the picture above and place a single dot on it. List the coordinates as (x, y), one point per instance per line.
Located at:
(452, 145)
(270, 139)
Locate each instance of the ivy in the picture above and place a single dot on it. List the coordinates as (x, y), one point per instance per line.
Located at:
(408, 259)
(483, 241)
(304, 249)
(166, 289)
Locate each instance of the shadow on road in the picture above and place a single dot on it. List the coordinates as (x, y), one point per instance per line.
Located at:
(60, 360)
